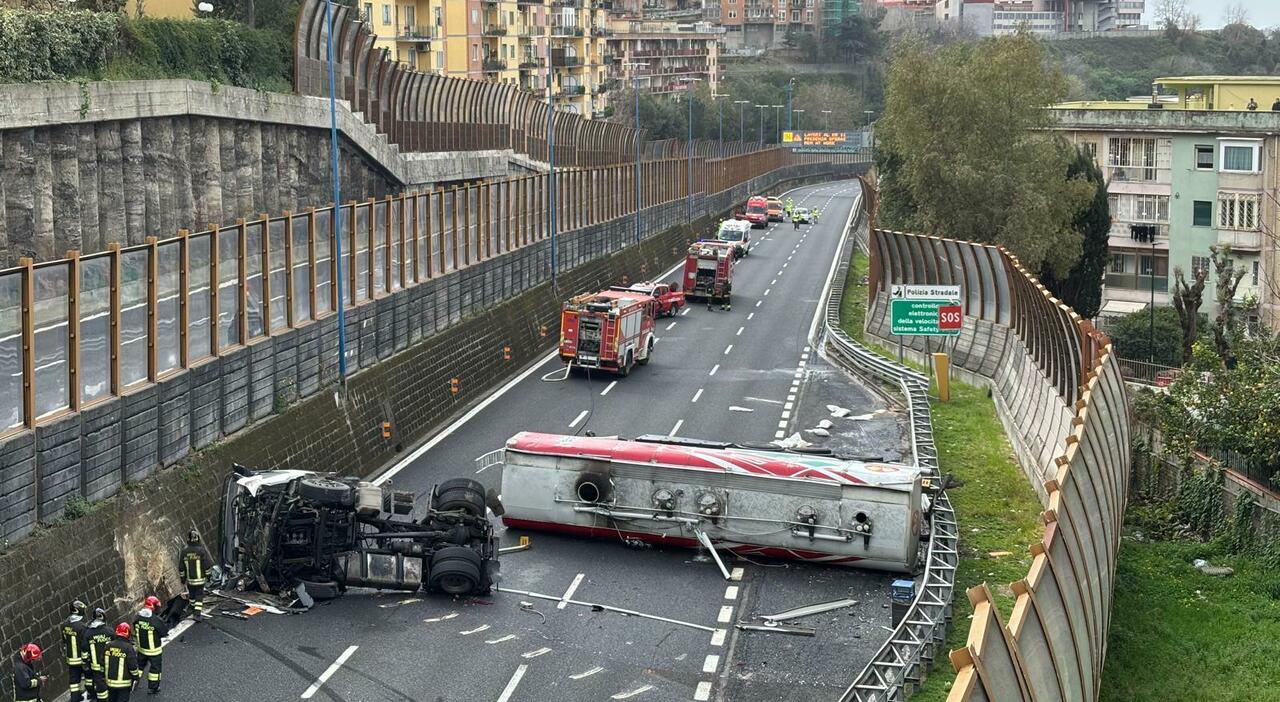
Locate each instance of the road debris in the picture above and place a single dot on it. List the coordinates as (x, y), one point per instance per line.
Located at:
(793, 441)
(809, 610)
(1211, 570)
(595, 606)
(837, 411)
(735, 408)
(824, 424)
(819, 432)
(706, 542)
(778, 629)
(524, 545)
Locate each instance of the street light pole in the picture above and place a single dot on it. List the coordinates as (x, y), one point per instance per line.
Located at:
(742, 112)
(337, 199)
(635, 89)
(798, 112)
(777, 124)
(1151, 341)
(760, 133)
(790, 85)
(688, 150)
(551, 171)
(720, 114)
(826, 120)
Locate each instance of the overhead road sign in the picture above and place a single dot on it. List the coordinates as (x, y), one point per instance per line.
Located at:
(823, 142)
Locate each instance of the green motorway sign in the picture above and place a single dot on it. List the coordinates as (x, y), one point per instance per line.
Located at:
(924, 318)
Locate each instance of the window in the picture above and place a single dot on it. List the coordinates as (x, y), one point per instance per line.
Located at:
(1151, 208)
(386, 14)
(475, 17)
(1090, 148)
(368, 12)
(1199, 264)
(408, 18)
(1202, 213)
(1238, 211)
(1240, 157)
(1131, 159)
(1117, 263)
(1160, 268)
(1256, 266)
(1204, 158)
(413, 57)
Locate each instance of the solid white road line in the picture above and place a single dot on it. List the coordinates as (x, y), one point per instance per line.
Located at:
(714, 368)
(579, 418)
(568, 594)
(696, 395)
(513, 683)
(586, 673)
(676, 428)
(315, 687)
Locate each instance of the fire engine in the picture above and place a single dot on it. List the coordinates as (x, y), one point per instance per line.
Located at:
(609, 330)
(708, 272)
(758, 211)
(682, 492)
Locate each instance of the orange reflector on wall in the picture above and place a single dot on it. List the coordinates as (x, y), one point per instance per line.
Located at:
(454, 385)
(386, 430)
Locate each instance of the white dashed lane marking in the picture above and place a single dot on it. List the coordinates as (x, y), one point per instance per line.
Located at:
(586, 673)
(696, 395)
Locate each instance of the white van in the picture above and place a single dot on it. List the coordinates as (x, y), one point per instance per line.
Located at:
(738, 233)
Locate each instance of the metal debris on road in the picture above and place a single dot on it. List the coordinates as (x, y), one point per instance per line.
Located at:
(706, 542)
(524, 545)
(735, 408)
(779, 629)
(809, 610)
(605, 608)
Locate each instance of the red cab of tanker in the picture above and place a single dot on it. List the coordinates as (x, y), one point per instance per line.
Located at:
(611, 330)
(758, 211)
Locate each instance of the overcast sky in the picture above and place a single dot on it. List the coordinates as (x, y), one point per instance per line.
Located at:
(1262, 13)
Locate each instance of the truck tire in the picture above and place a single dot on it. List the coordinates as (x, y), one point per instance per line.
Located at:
(455, 570)
(648, 354)
(625, 369)
(460, 494)
(327, 492)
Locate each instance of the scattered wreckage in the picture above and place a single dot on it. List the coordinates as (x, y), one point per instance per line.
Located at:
(287, 528)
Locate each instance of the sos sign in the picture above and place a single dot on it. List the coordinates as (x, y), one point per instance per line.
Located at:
(950, 318)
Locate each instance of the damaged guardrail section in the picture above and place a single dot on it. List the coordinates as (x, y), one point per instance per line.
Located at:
(1059, 394)
(906, 656)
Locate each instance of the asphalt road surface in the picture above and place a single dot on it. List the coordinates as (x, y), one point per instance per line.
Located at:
(747, 374)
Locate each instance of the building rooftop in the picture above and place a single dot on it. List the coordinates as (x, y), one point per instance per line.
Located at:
(1196, 93)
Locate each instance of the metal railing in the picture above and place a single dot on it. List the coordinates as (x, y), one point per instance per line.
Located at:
(905, 658)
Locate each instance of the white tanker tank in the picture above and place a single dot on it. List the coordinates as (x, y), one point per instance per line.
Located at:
(750, 501)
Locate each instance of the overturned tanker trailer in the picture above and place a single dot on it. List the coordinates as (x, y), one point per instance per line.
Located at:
(283, 528)
(748, 500)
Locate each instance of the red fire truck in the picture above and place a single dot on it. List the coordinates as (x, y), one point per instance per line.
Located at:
(758, 211)
(610, 330)
(708, 272)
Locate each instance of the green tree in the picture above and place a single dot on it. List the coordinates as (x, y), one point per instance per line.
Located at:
(1082, 287)
(857, 38)
(1134, 339)
(968, 123)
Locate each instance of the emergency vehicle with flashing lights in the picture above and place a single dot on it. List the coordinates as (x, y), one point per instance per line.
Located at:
(757, 211)
(708, 272)
(774, 209)
(750, 500)
(736, 233)
(611, 330)
(667, 296)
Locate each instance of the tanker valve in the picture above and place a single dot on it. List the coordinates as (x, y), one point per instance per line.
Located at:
(808, 516)
(708, 504)
(664, 500)
(862, 525)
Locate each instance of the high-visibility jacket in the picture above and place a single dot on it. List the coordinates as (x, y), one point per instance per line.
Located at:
(97, 636)
(147, 634)
(195, 562)
(121, 664)
(26, 683)
(72, 631)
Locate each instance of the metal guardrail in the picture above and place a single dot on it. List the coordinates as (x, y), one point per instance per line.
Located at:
(902, 662)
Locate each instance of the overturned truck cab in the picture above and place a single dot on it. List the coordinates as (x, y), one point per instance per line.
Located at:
(746, 499)
(326, 532)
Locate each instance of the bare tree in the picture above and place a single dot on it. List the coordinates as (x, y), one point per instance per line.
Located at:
(1227, 324)
(1171, 13)
(1186, 302)
(1235, 13)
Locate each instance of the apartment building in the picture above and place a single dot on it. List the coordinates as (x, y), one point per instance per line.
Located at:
(767, 24)
(664, 57)
(1040, 17)
(521, 42)
(1191, 168)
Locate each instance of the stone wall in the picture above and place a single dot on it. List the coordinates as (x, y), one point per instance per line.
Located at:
(84, 166)
(406, 348)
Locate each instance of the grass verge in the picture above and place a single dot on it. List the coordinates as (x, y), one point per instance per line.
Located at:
(996, 508)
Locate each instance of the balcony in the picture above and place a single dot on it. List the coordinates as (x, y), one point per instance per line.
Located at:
(562, 61)
(607, 59)
(529, 63)
(567, 3)
(1138, 236)
(566, 31)
(1240, 240)
(417, 34)
(495, 30)
(492, 65)
(570, 91)
(1132, 174)
(1133, 281)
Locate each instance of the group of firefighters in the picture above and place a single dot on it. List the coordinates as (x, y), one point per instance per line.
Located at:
(787, 207)
(106, 666)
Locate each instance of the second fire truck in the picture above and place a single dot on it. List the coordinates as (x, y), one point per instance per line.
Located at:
(708, 272)
(611, 330)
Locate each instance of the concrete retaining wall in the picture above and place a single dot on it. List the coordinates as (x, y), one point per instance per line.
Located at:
(87, 165)
(1058, 392)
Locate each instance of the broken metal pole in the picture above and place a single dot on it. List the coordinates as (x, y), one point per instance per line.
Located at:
(706, 541)
(809, 610)
(608, 608)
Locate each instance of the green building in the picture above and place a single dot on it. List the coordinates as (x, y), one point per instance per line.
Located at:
(834, 12)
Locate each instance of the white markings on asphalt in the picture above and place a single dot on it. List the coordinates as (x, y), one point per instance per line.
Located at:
(711, 663)
(607, 388)
(633, 693)
(766, 291)
(676, 428)
(799, 374)
(786, 415)
(703, 692)
(788, 405)
(513, 683)
(782, 425)
(806, 349)
(315, 687)
(727, 349)
(736, 575)
(669, 326)
(758, 303)
(686, 311)
(802, 363)
(726, 614)
(784, 265)
(176, 631)
(477, 630)
(717, 637)
(573, 587)
(749, 316)
(789, 257)
(805, 356)
(696, 395)
(774, 281)
(731, 592)
(739, 331)
(586, 673)
(581, 415)
(535, 653)
(779, 434)
(508, 637)
(446, 617)
(714, 368)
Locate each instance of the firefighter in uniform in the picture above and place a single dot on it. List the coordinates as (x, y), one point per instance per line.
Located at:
(148, 630)
(193, 567)
(120, 662)
(72, 650)
(96, 638)
(27, 683)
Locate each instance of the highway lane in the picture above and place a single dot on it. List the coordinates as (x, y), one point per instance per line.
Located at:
(753, 357)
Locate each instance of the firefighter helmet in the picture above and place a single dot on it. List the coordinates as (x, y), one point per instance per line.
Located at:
(79, 609)
(100, 614)
(193, 537)
(152, 603)
(31, 653)
(123, 630)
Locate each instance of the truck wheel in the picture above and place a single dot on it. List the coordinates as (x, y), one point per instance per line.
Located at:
(460, 494)
(455, 570)
(327, 492)
(625, 369)
(648, 354)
